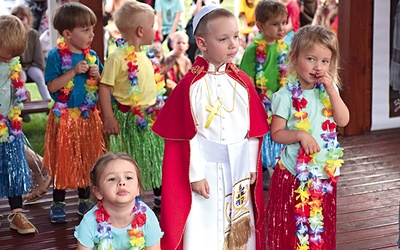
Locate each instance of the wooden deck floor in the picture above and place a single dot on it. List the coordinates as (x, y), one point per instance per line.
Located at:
(368, 201)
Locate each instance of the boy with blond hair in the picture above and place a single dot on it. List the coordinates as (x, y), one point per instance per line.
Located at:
(213, 124)
(14, 171)
(176, 63)
(130, 94)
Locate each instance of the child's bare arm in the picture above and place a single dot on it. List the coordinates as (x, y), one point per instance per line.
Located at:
(61, 81)
(156, 246)
(81, 247)
(280, 134)
(110, 124)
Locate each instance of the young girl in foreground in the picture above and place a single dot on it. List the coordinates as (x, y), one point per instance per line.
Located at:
(302, 202)
(120, 220)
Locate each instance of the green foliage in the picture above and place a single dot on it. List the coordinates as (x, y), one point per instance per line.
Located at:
(35, 129)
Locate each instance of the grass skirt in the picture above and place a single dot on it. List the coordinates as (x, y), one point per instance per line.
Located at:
(72, 146)
(145, 146)
(14, 171)
(281, 226)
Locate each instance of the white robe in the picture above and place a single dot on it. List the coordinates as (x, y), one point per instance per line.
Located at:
(206, 224)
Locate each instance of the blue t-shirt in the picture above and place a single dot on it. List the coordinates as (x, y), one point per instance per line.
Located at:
(7, 92)
(53, 70)
(169, 8)
(85, 233)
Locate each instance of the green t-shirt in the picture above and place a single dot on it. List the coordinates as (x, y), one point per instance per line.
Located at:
(270, 66)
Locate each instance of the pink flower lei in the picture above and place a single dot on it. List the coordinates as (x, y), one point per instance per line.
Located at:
(90, 86)
(311, 190)
(144, 116)
(13, 116)
(136, 236)
(261, 81)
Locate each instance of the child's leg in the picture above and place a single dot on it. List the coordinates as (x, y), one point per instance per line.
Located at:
(42, 178)
(18, 220)
(37, 76)
(84, 202)
(58, 212)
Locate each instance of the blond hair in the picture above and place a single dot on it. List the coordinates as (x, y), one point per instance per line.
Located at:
(130, 15)
(180, 34)
(202, 28)
(73, 15)
(267, 9)
(13, 37)
(307, 37)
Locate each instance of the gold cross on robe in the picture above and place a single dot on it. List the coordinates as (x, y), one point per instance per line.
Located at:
(213, 111)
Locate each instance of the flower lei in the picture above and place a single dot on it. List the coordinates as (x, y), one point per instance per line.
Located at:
(15, 112)
(261, 81)
(135, 92)
(104, 227)
(90, 86)
(311, 190)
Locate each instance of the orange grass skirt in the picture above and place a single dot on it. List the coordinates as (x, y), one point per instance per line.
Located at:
(72, 146)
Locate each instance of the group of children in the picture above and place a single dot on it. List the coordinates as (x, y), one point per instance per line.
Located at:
(210, 138)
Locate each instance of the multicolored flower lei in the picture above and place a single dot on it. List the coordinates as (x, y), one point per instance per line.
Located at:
(15, 112)
(104, 227)
(91, 87)
(311, 191)
(261, 81)
(151, 112)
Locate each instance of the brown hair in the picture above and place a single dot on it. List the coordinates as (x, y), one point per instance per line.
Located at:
(22, 11)
(307, 37)
(13, 37)
(267, 9)
(201, 28)
(130, 15)
(73, 15)
(102, 162)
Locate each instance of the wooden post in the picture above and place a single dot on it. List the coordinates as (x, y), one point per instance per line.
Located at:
(355, 41)
(98, 41)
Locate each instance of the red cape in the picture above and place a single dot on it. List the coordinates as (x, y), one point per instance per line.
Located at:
(176, 125)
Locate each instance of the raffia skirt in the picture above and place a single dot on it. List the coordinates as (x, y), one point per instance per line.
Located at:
(281, 226)
(142, 144)
(14, 170)
(72, 146)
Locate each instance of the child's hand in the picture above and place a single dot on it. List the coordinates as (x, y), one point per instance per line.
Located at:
(81, 67)
(28, 95)
(253, 177)
(111, 126)
(201, 187)
(309, 144)
(94, 71)
(326, 80)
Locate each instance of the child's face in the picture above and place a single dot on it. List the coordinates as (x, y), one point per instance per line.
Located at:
(273, 29)
(316, 60)
(79, 38)
(148, 29)
(221, 43)
(118, 183)
(180, 45)
(5, 56)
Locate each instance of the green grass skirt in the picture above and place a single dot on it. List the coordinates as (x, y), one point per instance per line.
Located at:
(146, 147)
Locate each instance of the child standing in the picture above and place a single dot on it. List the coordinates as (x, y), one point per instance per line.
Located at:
(213, 124)
(131, 94)
(176, 63)
(302, 201)
(32, 59)
(120, 220)
(265, 62)
(14, 171)
(74, 139)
